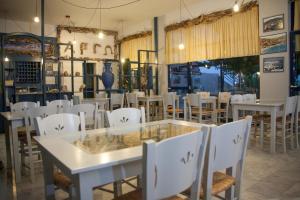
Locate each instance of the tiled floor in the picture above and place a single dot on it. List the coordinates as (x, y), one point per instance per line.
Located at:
(266, 177)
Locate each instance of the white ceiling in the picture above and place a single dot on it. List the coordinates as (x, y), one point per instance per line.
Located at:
(55, 10)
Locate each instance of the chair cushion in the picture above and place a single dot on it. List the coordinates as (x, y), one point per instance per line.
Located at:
(138, 195)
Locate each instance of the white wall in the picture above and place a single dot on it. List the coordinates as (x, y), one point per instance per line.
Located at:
(274, 86)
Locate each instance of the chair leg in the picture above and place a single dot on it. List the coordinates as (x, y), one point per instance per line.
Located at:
(284, 138)
(117, 189)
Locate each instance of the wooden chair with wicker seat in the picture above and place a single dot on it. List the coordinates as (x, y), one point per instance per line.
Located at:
(116, 101)
(169, 106)
(223, 106)
(197, 111)
(170, 167)
(226, 141)
(60, 105)
(61, 124)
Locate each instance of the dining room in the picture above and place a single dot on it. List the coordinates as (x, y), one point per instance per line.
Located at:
(150, 99)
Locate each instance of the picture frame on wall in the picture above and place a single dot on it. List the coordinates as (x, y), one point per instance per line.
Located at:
(273, 23)
(273, 64)
(276, 43)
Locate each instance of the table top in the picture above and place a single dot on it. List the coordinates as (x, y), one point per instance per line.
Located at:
(101, 148)
(95, 99)
(11, 116)
(153, 97)
(260, 103)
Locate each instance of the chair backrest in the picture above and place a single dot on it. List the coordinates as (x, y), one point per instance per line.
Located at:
(173, 165)
(60, 124)
(139, 93)
(249, 98)
(290, 105)
(101, 95)
(237, 98)
(76, 100)
(90, 113)
(204, 95)
(224, 97)
(194, 100)
(298, 104)
(60, 105)
(169, 100)
(33, 113)
(125, 116)
(66, 97)
(116, 99)
(23, 107)
(132, 100)
(227, 149)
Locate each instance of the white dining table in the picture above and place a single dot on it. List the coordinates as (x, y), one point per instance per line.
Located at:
(102, 102)
(13, 121)
(98, 157)
(271, 107)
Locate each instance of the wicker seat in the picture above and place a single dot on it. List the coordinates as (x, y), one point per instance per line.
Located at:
(138, 195)
(61, 180)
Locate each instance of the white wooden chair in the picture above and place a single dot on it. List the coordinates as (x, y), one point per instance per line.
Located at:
(204, 95)
(116, 100)
(92, 117)
(226, 151)
(196, 109)
(59, 124)
(223, 106)
(60, 106)
(22, 107)
(171, 109)
(139, 93)
(132, 100)
(236, 98)
(170, 167)
(28, 146)
(125, 116)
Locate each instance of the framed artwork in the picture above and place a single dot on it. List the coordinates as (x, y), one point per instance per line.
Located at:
(274, 23)
(274, 64)
(273, 43)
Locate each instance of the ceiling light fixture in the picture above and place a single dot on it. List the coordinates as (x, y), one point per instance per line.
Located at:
(36, 19)
(100, 34)
(236, 7)
(122, 60)
(181, 45)
(6, 59)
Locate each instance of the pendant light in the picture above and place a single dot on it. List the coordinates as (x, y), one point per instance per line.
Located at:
(6, 59)
(181, 45)
(70, 24)
(236, 7)
(100, 34)
(36, 19)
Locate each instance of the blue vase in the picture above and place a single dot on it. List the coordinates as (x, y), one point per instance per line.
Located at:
(107, 76)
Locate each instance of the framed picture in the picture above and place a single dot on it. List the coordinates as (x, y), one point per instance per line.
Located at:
(274, 23)
(274, 64)
(273, 43)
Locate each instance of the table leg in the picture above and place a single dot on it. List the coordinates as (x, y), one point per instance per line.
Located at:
(273, 131)
(82, 188)
(8, 144)
(15, 150)
(261, 136)
(148, 111)
(184, 110)
(214, 112)
(235, 113)
(48, 176)
(177, 105)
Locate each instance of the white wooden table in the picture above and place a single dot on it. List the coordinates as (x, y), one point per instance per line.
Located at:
(103, 102)
(211, 100)
(269, 107)
(95, 158)
(13, 121)
(147, 100)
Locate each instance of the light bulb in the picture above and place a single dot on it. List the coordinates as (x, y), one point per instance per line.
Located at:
(122, 60)
(258, 73)
(236, 7)
(206, 66)
(6, 59)
(181, 46)
(36, 19)
(74, 42)
(100, 35)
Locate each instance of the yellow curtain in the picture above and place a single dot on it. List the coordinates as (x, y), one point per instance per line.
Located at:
(230, 36)
(297, 15)
(129, 48)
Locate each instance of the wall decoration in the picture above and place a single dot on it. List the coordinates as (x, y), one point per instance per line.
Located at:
(274, 23)
(108, 47)
(88, 46)
(273, 43)
(28, 46)
(274, 64)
